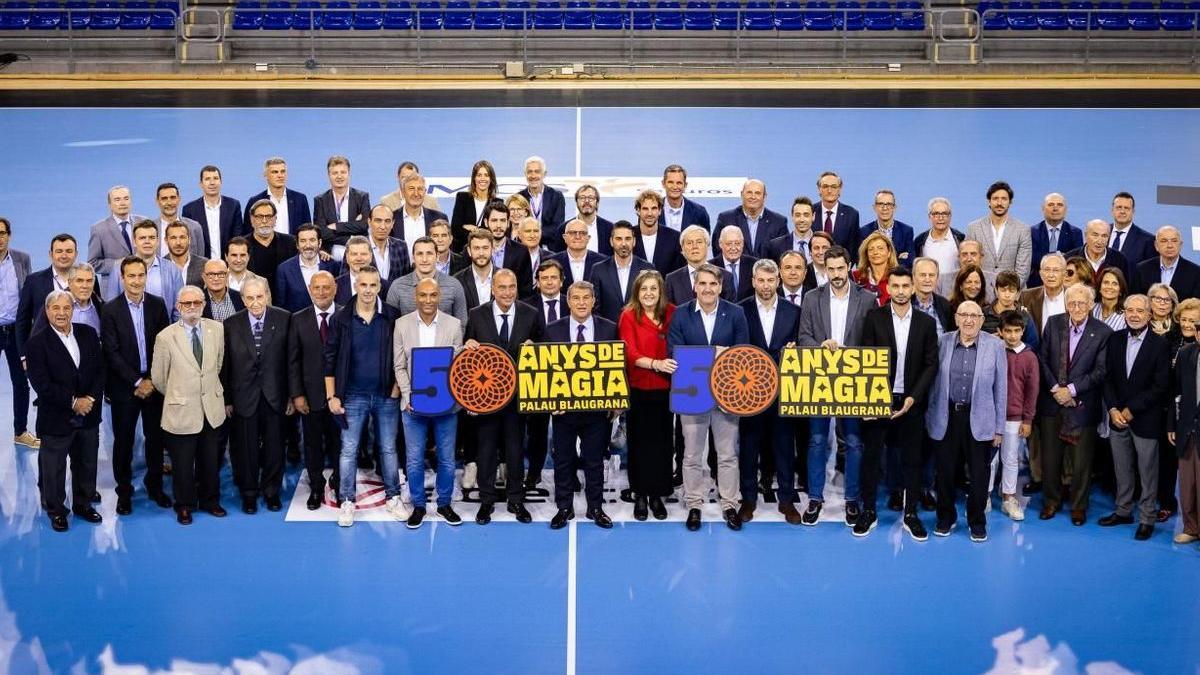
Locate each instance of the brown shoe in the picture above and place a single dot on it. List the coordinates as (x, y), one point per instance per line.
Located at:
(1078, 517)
(746, 513)
(790, 513)
(28, 440)
(1048, 512)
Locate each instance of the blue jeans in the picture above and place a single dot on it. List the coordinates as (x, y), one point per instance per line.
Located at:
(385, 412)
(416, 439)
(818, 455)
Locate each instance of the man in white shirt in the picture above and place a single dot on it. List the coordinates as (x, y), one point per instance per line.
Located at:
(940, 242)
(476, 280)
(1007, 241)
(181, 252)
(237, 257)
(167, 198)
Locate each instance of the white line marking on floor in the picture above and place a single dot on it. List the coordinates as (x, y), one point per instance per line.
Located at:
(571, 558)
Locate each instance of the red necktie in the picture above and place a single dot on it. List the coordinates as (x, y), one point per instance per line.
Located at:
(829, 222)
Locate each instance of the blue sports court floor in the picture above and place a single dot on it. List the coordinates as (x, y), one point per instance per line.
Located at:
(271, 592)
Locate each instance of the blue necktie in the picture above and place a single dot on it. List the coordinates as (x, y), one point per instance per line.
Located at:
(1054, 239)
(1117, 243)
(552, 310)
(579, 333)
(504, 328)
(124, 225)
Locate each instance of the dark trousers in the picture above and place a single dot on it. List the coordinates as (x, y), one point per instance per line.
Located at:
(879, 436)
(766, 436)
(468, 437)
(124, 418)
(258, 451)
(651, 442)
(16, 373)
(800, 433)
(499, 433)
(1168, 472)
(1053, 449)
(322, 446)
(80, 446)
(591, 430)
(195, 475)
(959, 445)
(537, 431)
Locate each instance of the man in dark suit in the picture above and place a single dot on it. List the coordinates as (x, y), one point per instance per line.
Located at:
(678, 211)
(268, 248)
(308, 332)
(589, 429)
(577, 261)
(1134, 243)
(179, 253)
(1095, 236)
(449, 262)
(925, 298)
(390, 254)
(167, 198)
(220, 301)
(14, 270)
(256, 387)
(657, 245)
(613, 278)
(129, 327)
(528, 233)
(587, 202)
(220, 217)
(759, 225)
(1168, 267)
(358, 256)
(838, 219)
(294, 275)
(476, 280)
(709, 320)
(291, 207)
(545, 203)
(1136, 385)
(506, 323)
(800, 237)
(551, 304)
(1183, 429)
(1073, 370)
(681, 283)
(340, 203)
(734, 260)
(415, 219)
(66, 369)
(1053, 233)
(912, 342)
(37, 286)
(506, 253)
(772, 324)
(900, 234)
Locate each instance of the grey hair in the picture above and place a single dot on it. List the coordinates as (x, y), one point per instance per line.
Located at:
(765, 265)
(55, 295)
(80, 267)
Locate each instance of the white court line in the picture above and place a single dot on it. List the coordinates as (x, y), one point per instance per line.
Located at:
(578, 142)
(571, 558)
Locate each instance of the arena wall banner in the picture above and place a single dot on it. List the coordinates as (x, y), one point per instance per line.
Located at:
(691, 393)
(847, 382)
(572, 377)
(430, 379)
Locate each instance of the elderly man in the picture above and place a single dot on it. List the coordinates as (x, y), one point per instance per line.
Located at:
(733, 259)
(415, 217)
(940, 241)
(546, 204)
(1052, 234)
(1168, 267)
(307, 336)
(970, 252)
(681, 283)
(577, 260)
(759, 225)
(291, 206)
(1043, 302)
(966, 415)
(1096, 251)
(840, 221)
(394, 200)
(112, 238)
(925, 296)
(1006, 240)
(402, 293)
(1074, 364)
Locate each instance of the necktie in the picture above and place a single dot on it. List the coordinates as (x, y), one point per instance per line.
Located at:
(258, 337)
(579, 333)
(124, 225)
(197, 349)
(1117, 242)
(324, 327)
(1054, 239)
(504, 328)
(829, 222)
(551, 311)
(734, 271)
(792, 298)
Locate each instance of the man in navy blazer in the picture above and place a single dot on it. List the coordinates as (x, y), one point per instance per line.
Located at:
(227, 221)
(1093, 250)
(900, 234)
(1181, 274)
(736, 261)
(291, 206)
(767, 224)
(294, 274)
(1132, 241)
(799, 238)
(545, 203)
(709, 320)
(577, 261)
(657, 245)
(766, 433)
(1053, 233)
(678, 211)
(681, 283)
(834, 217)
(340, 203)
(613, 278)
(587, 202)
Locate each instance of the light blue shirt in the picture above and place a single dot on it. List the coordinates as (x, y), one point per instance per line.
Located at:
(589, 330)
(86, 315)
(139, 329)
(10, 294)
(752, 225)
(1166, 274)
(1132, 346)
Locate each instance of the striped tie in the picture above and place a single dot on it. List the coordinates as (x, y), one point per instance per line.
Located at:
(258, 337)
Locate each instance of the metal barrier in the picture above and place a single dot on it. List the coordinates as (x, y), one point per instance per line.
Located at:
(1092, 35)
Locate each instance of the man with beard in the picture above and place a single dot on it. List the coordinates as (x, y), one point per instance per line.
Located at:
(180, 252)
(613, 278)
(268, 248)
(167, 197)
(294, 276)
(1006, 241)
(587, 204)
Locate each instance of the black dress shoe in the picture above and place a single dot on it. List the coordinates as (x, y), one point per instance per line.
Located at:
(89, 514)
(658, 508)
(677, 478)
(184, 516)
(95, 497)
(895, 501)
(1031, 488)
(484, 515)
(216, 511)
(58, 523)
(522, 513)
(693, 520)
(732, 519)
(162, 500)
(641, 510)
(560, 519)
(1115, 519)
(124, 506)
(249, 505)
(314, 502)
(1144, 531)
(598, 516)
(274, 503)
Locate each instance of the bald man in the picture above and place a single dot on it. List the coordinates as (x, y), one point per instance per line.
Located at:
(759, 225)
(1182, 275)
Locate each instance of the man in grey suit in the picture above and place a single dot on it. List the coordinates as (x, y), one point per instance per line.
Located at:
(1006, 241)
(967, 410)
(112, 238)
(183, 255)
(14, 268)
(167, 198)
(451, 299)
(832, 317)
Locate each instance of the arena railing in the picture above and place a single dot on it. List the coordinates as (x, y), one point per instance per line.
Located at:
(1081, 36)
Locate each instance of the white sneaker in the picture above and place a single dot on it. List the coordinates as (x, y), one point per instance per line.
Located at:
(469, 478)
(987, 504)
(397, 509)
(1012, 509)
(346, 514)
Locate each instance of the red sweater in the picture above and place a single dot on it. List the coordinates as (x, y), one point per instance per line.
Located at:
(1022, 385)
(643, 338)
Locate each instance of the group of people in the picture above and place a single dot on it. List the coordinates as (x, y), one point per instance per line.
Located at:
(262, 329)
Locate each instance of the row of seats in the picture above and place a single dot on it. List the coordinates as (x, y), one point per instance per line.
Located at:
(790, 15)
(1074, 15)
(81, 14)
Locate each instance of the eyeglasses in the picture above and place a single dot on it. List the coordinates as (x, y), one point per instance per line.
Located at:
(577, 233)
(262, 216)
(216, 274)
(973, 317)
(191, 303)
(939, 214)
(1160, 298)
(587, 198)
(1078, 303)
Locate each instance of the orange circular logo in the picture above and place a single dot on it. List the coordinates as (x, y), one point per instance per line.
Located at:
(744, 380)
(483, 380)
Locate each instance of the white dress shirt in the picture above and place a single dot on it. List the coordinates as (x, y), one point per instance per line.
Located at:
(766, 316)
(577, 266)
(413, 229)
(623, 275)
(901, 327)
(838, 309)
(382, 255)
(673, 217)
(212, 222)
(1053, 306)
(649, 241)
(593, 244)
(70, 343)
(709, 319)
(307, 271)
(483, 286)
(498, 313)
(427, 334)
(282, 222)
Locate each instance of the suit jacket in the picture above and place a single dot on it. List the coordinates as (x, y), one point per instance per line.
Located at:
(119, 338)
(1112, 258)
(562, 331)
(920, 239)
(1086, 372)
(771, 225)
(452, 300)
(459, 262)
(680, 288)
(362, 227)
(291, 293)
(902, 239)
(306, 357)
(693, 214)
(40, 322)
(106, 244)
(448, 332)
(846, 226)
(192, 393)
(787, 324)
(942, 307)
(814, 316)
(920, 354)
(1016, 249)
(193, 275)
(687, 328)
(339, 354)
(234, 297)
(516, 258)
(589, 264)
(668, 256)
(552, 215)
(325, 210)
(169, 277)
(1137, 245)
(539, 302)
(610, 299)
(298, 213)
(461, 215)
(989, 389)
(1069, 237)
(250, 375)
(232, 224)
(399, 263)
(1185, 281)
(56, 379)
(1144, 389)
(780, 245)
(481, 327)
(1184, 418)
(466, 279)
(1031, 299)
(745, 277)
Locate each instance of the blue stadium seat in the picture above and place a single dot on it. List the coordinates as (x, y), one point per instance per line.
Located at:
(642, 17)
(1142, 20)
(337, 19)
(992, 15)
(1051, 20)
(18, 17)
(79, 15)
(429, 15)
(578, 15)
(368, 15)
(515, 16)
(136, 15)
(848, 15)
(1021, 16)
(879, 17)
(278, 16)
(1180, 20)
(458, 15)
(246, 15)
(164, 15)
(789, 15)
(1112, 20)
(1078, 19)
(308, 15)
(726, 16)
(818, 16)
(910, 15)
(609, 15)
(105, 20)
(667, 15)
(488, 15)
(548, 15)
(758, 16)
(50, 17)
(698, 16)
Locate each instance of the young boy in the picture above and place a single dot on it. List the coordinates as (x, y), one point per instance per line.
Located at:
(1008, 289)
(1022, 405)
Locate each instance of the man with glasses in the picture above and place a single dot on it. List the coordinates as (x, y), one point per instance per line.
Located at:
(681, 283)
(1168, 267)
(268, 248)
(940, 241)
(577, 260)
(899, 233)
(14, 269)
(836, 219)
(587, 202)
(222, 301)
